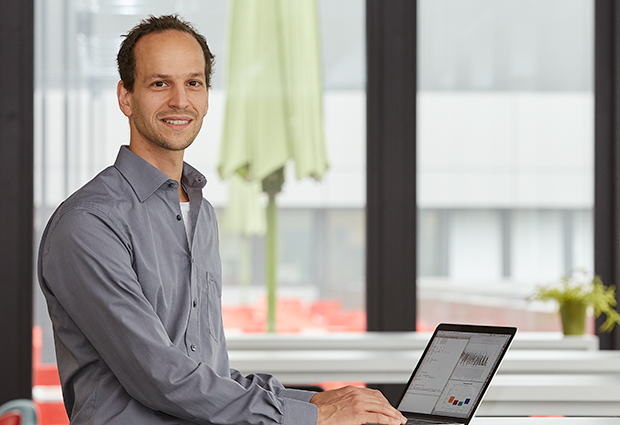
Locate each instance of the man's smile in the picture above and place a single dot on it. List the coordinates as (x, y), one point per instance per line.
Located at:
(176, 121)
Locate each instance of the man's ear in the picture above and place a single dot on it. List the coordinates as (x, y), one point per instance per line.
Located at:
(124, 98)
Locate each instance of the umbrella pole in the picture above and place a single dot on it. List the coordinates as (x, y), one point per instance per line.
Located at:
(271, 261)
(272, 185)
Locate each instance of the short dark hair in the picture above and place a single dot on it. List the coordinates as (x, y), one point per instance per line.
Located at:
(126, 58)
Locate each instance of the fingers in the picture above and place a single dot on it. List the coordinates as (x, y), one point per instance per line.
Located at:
(377, 403)
(351, 405)
(381, 407)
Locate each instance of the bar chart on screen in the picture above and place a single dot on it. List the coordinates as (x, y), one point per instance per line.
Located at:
(458, 397)
(456, 402)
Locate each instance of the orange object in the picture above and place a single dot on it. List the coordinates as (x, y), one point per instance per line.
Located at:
(45, 374)
(12, 417)
(52, 414)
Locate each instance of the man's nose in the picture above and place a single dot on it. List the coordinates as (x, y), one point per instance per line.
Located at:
(178, 97)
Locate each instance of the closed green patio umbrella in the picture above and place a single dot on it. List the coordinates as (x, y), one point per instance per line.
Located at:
(274, 104)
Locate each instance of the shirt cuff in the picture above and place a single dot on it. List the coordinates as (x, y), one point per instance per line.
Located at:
(297, 394)
(298, 412)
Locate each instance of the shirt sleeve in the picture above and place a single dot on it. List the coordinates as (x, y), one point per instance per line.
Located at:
(86, 265)
(272, 384)
(304, 412)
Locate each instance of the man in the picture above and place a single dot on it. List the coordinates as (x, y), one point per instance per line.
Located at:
(130, 268)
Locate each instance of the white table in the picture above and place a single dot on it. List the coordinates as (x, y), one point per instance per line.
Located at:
(395, 367)
(569, 395)
(529, 382)
(394, 341)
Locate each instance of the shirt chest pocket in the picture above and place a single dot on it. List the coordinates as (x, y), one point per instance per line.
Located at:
(211, 299)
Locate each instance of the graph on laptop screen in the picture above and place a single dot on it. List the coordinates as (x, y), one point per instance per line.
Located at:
(452, 375)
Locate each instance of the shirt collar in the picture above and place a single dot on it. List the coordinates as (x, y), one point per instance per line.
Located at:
(146, 179)
(192, 177)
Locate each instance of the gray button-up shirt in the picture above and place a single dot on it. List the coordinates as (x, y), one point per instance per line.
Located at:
(136, 308)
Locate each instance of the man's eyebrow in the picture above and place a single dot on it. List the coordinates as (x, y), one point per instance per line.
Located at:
(166, 76)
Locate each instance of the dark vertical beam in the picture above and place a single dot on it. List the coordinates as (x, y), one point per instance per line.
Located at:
(391, 165)
(16, 209)
(607, 152)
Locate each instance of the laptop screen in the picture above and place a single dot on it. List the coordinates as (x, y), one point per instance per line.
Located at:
(454, 372)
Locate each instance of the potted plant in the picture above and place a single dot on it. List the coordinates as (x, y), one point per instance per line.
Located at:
(576, 294)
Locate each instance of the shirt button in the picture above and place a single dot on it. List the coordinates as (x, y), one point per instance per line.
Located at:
(194, 303)
(171, 185)
(179, 217)
(193, 347)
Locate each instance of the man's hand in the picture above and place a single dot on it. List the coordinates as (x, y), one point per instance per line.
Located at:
(355, 406)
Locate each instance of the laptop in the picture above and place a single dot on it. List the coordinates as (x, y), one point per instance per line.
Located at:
(454, 373)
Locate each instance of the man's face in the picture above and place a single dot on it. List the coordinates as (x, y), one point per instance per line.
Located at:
(170, 96)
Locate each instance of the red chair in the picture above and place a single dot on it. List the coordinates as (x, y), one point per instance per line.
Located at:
(12, 417)
(18, 412)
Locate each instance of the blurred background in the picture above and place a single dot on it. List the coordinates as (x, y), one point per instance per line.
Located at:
(505, 156)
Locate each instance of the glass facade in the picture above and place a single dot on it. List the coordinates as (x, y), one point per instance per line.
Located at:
(505, 151)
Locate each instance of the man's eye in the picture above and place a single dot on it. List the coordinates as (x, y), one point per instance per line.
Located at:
(194, 83)
(159, 84)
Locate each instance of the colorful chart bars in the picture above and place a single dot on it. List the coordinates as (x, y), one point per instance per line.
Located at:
(453, 401)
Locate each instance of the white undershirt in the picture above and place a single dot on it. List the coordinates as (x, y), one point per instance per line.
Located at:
(185, 213)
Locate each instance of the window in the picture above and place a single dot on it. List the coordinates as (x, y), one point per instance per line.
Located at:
(505, 167)
(78, 131)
